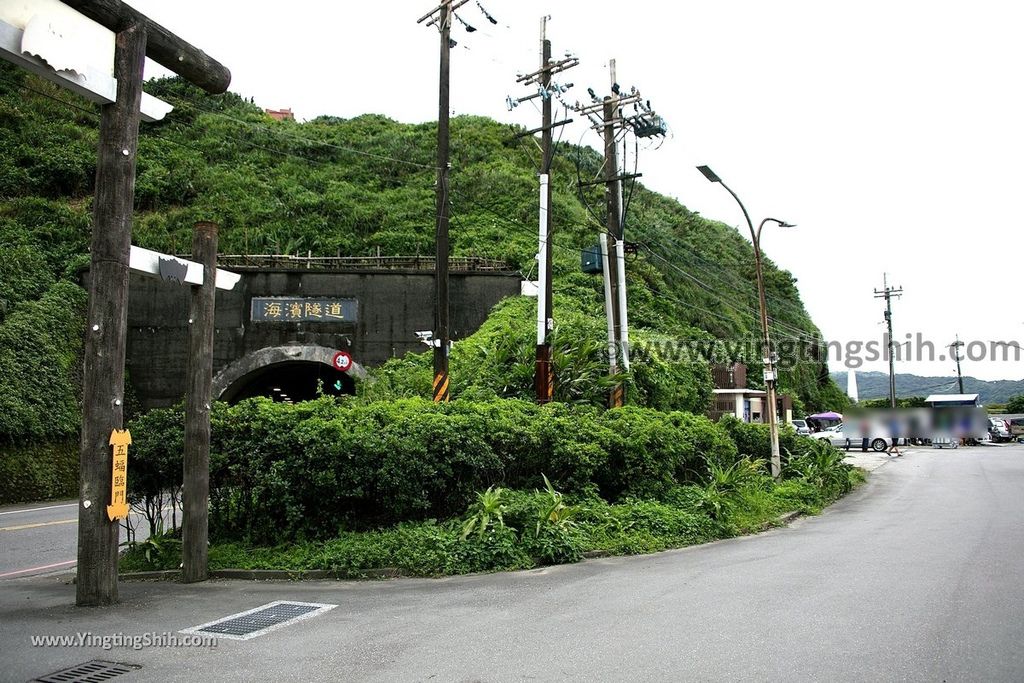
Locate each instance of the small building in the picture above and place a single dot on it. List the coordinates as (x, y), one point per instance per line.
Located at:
(952, 400)
(280, 114)
(731, 396)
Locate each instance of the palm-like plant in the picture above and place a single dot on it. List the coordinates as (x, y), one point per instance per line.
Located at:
(488, 511)
(724, 482)
(554, 513)
(821, 465)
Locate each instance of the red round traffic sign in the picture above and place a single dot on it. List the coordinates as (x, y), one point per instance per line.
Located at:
(342, 361)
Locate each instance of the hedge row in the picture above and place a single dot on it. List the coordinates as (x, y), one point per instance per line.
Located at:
(281, 472)
(44, 471)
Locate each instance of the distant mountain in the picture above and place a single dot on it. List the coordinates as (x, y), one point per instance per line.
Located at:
(876, 385)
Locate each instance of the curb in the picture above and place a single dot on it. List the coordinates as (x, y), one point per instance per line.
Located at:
(267, 574)
(787, 517)
(158, 575)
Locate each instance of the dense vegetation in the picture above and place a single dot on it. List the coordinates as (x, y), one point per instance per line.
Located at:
(468, 486)
(352, 187)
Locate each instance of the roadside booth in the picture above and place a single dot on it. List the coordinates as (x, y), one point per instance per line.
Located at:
(953, 418)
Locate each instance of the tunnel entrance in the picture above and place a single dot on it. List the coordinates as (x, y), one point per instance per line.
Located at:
(286, 373)
(291, 382)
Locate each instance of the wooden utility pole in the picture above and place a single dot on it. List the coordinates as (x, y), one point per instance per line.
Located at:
(198, 397)
(440, 341)
(888, 293)
(956, 346)
(105, 339)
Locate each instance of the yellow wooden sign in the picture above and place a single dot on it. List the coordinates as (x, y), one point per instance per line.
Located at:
(118, 508)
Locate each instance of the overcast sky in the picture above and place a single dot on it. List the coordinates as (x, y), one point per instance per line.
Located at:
(890, 132)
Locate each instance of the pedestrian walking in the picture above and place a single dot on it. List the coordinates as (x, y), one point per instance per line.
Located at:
(894, 431)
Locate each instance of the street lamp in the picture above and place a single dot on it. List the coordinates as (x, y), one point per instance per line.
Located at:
(770, 378)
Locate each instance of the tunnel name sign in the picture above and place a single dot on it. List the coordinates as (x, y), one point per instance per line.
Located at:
(119, 441)
(269, 309)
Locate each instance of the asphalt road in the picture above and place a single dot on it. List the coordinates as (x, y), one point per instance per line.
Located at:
(42, 538)
(919, 576)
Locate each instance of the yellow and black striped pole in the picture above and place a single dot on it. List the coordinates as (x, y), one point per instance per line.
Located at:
(618, 396)
(441, 387)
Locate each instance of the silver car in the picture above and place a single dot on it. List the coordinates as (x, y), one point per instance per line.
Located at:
(801, 427)
(999, 430)
(850, 438)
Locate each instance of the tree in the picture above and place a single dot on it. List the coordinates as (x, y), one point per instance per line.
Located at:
(1015, 404)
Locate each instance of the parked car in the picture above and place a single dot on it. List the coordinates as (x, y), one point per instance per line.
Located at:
(1017, 428)
(850, 438)
(801, 427)
(999, 429)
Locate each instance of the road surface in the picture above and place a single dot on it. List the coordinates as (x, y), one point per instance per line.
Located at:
(918, 576)
(42, 538)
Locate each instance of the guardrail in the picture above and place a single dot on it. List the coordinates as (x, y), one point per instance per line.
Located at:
(290, 262)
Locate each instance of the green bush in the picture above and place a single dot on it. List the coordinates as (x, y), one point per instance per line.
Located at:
(754, 439)
(515, 529)
(284, 472)
(822, 466)
(38, 471)
(40, 343)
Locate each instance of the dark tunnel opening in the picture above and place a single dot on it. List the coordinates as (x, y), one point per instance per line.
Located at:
(291, 382)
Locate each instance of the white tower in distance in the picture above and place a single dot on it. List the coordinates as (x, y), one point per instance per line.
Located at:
(851, 385)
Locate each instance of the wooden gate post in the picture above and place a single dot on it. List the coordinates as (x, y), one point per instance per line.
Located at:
(198, 398)
(103, 374)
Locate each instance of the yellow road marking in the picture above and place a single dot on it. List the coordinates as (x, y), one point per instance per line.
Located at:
(36, 525)
(59, 521)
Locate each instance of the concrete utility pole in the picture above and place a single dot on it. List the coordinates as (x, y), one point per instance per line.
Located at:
(888, 293)
(442, 16)
(606, 115)
(956, 346)
(543, 375)
(103, 373)
(613, 222)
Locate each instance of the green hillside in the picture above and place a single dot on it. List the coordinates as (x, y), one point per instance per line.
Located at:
(354, 187)
(876, 385)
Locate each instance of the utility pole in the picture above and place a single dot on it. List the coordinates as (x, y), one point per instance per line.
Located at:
(442, 16)
(608, 119)
(613, 224)
(888, 293)
(956, 346)
(546, 91)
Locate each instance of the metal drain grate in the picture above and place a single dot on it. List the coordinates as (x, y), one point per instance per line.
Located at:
(91, 672)
(260, 620)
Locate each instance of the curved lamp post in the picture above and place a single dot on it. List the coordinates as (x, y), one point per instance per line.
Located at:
(770, 378)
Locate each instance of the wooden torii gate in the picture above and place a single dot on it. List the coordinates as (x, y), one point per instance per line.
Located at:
(136, 37)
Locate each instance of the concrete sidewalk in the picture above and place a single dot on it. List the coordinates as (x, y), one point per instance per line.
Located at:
(870, 460)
